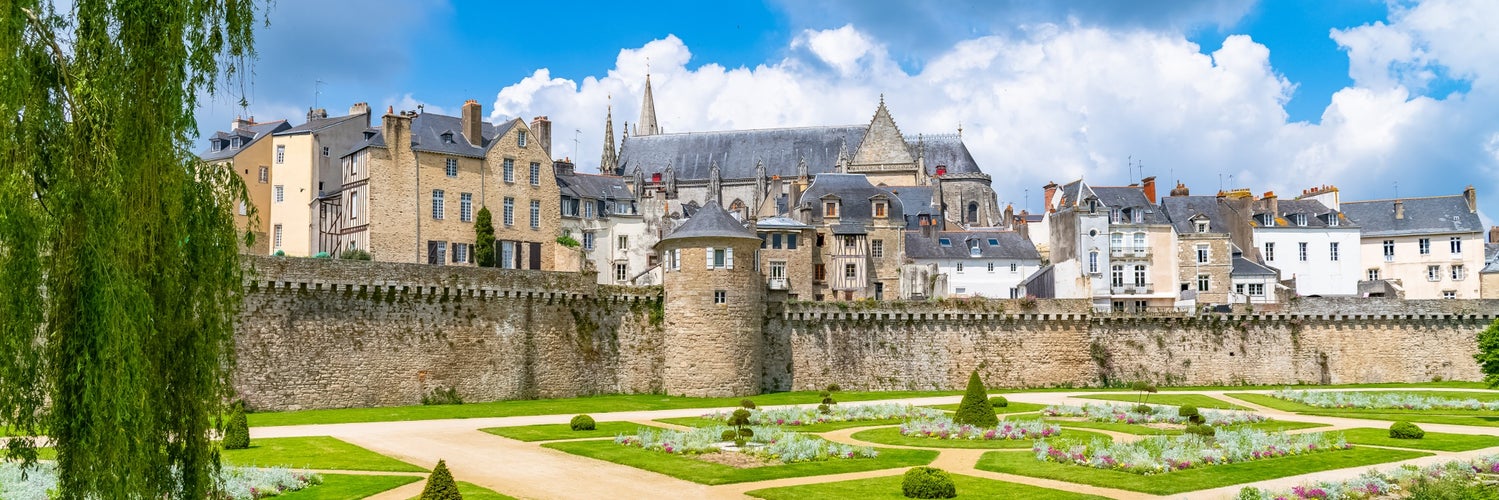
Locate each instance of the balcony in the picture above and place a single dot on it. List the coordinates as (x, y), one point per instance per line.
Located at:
(778, 284)
(1145, 289)
(1130, 252)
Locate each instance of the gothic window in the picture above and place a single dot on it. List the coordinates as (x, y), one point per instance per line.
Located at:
(973, 212)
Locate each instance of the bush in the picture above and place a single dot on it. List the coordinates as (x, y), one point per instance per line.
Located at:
(322, 255)
(442, 396)
(745, 403)
(582, 423)
(1249, 493)
(999, 402)
(440, 485)
(824, 409)
(927, 482)
(1406, 430)
(1201, 430)
(739, 431)
(975, 409)
(279, 253)
(834, 388)
(1187, 411)
(1145, 409)
(728, 435)
(354, 254)
(237, 431)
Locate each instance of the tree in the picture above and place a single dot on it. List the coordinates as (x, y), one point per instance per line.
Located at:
(237, 431)
(118, 246)
(484, 238)
(1488, 354)
(440, 485)
(975, 409)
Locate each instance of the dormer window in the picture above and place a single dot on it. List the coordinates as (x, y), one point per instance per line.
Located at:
(946, 243)
(234, 143)
(369, 134)
(216, 145)
(830, 208)
(1299, 219)
(993, 242)
(881, 209)
(1137, 215)
(1116, 216)
(973, 248)
(447, 138)
(1332, 219)
(1202, 226)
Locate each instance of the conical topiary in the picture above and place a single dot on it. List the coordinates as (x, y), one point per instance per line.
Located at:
(440, 485)
(237, 431)
(975, 409)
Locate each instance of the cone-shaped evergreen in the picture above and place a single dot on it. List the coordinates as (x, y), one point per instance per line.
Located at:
(237, 431)
(440, 485)
(975, 409)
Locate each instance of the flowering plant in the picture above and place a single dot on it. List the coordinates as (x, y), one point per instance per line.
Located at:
(798, 416)
(1397, 400)
(1163, 454)
(1127, 414)
(239, 483)
(1382, 484)
(773, 443)
(944, 428)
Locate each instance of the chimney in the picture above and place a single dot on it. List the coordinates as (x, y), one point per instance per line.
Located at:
(317, 113)
(541, 128)
(1051, 190)
(473, 125)
(1271, 204)
(1471, 197)
(563, 167)
(361, 108)
(397, 128)
(1149, 183)
(1494, 234)
(1399, 210)
(1009, 216)
(241, 123)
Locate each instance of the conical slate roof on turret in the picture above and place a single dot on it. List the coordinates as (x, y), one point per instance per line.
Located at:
(711, 221)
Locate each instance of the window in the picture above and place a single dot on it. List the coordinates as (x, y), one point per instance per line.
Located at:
(1256, 289)
(879, 209)
(1456, 245)
(535, 174)
(1300, 219)
(535, 214)
(460, 252)
(326, 151)
(276, 241)
(1269, 251)
(1425, 245)
(1203, 282)
(1139, 275)
(588, 241)
(507, 254)
(944, 242)
(1093, 262)
(520, 138)
(1332, 250)
(676, 259)
(280, 193)
(1116, 216)
(1449, 294)
(466, 207)
(1239, 288)
(777, 270)
(621, 271)
(1458, 272)
(234, 143)
(1137, 215)
(1014, 268)
(1139, 242)
(1373, 274)
(993, 242)
(353, 205)
(959, 268)
(509, 216)
(569, 206)
(720, 296)
(877, 249)
(622, 243)
(1116, 276)
(850, 241)
(851, 271)
(1202, 254)
(1433, 273)
(1301, 251)
(775, 241)
(1116, 241)
(830, 209)
(791, 242)
(1389, 250)
(437, 204)
(437, 252)
(509, 170)
(720, 258)
(244, 209)
(819, 272)
(280, 154)
(588, 207)
(1202, 226)
(1332, 219)
(451, 167)
(265, 175)
(991, 267)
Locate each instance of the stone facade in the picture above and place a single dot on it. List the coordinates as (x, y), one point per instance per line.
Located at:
(713, 345)
(1218, 267)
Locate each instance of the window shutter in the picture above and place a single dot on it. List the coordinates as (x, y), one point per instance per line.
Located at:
(728, 258)
(710, 257)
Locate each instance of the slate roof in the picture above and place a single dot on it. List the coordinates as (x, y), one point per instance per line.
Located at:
(1246, 267)
(1317, 214)
(854, 192)
(1111, 197)
(1183, 209)
(914, 201)
(248, 136)
(943, 149)
(711, 221)
(598, 187)
(780, 222)
(318, 124)
(1490, 258)
(427, 130)
(1431, 215)
(1007, 245)
(781, 149)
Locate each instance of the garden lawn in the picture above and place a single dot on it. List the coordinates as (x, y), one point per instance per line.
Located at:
(348, 487)
(698, 471)
(1025, 464)
(1014, 407)
(471, 491)
(1482, 418)
(889, 488)
(1438, 441)
(822, 427)
(891, 435)
(1197, 400)
(592, 404)
(1446, 384)
(318, 452)
(553, 432)
(1272, 425)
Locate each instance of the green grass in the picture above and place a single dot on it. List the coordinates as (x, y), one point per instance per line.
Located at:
(1446, 384)
(888, 488)
(592, 404)
(553, 432)
(698, 471)
(891, 435)
(348, 487)
(1025, 464)
(1197, 400)
(1438, 441)
(1014, 407)
(822, 427)
(1483, 418)
(319, 452)
(1151, 431)
(471, 491)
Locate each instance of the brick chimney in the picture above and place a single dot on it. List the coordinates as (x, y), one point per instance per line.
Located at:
(1494, 234)
(473, 123)
(1272, 204)
(316, 113)
(1471, 197)
(361, 108)
(241, 123)
(1399, 210)
(1149, 183)
(563, 167)
(541, 128)
(1051, 190)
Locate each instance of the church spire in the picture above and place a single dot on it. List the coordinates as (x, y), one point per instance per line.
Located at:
(647, 124)
(609, 162)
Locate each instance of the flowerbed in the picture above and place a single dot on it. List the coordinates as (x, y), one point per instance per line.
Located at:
(775, 444)
(1375, 484)
(1399, 401)
(944, 428)
(1165, 454)
(797, 416)
(1126, 414)
(240, 483)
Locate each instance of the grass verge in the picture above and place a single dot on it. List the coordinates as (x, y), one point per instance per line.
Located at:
(698, 471)
(348, 487)
(318, 452)
(1483, 418)
(888, 488)
(822, 427)
(1025, 464)
(1197, 400)
(1439, 441)
(891, 435)
(553, 432)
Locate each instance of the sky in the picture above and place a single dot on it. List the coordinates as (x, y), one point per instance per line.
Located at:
(1381, 99)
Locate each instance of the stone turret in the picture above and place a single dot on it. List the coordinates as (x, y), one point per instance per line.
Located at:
(714, 307)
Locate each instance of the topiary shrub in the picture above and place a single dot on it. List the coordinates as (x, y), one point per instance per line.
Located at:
(1145, 409)
(582, 423)
(739, 422)
(827, 402)
(927, 482)
(354, 254)
(975, 409)
(745, 403)
(237, 431)
(999, 402)
(834, 388)
(440, 485)
(729, 435)
(1187, 411)
(1406, 430)
(1206, 431)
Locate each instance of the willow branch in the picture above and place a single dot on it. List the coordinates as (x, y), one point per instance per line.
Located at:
(62, 60)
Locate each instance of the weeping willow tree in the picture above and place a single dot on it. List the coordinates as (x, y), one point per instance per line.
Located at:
(119, 272)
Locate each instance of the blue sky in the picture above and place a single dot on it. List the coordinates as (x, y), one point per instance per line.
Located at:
(1276, 94)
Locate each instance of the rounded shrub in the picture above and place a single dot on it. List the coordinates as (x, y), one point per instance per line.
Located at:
(1145, 409)
(729, 435)
(1406, 430)
(927, 482)
(1187, 411)
(440, 485)
(237, 430)
(582, 423)
(834, 388)
(999, 402)
(745, 403)
(974, 409)
(1206, 431)
(824, 409)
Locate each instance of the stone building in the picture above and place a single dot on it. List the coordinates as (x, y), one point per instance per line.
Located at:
(411, 189)
(306, 178)
(599, 211)
(244, 148)
(1116, 246)
(1212, 232)
(714, 307)
(1430, 247)
(859, 237)
(786, 253)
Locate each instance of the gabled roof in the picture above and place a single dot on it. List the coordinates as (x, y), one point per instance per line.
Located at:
(1246, 267)
(854, 192)
(945, 150)
(1430, 215)
(598, 187)
(427, 130)
(1185, 210)
(711, 221)
(1005, 245)
(317, 124)
(248, 136)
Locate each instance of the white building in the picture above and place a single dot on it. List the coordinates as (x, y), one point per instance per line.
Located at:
(600, 213)
(1311, 244)
(1431, 247)
(1124, 245)
(976, 263)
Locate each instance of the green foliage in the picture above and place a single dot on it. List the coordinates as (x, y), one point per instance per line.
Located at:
(746, 403)
(442, 396)
(999, 402)
(975, 409)
(834, 387)
(1201, 430)
(1406, 430)
(118, 247)
(279, 253)
(927, 482)
(1145, 409)
(440, 485)
(739, 422)
(1144, 389)
(1187, 411)
(354, 254)
(484, 253)
(1450, 487)
(568, 241)
(237, 431)
(582, 423)
(322, 255)
(825, 409)
(1249, 493)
